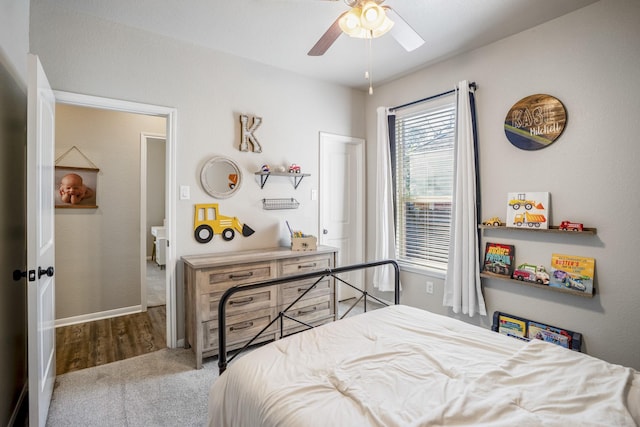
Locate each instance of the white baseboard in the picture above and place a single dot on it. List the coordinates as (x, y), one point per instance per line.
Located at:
(98, 316)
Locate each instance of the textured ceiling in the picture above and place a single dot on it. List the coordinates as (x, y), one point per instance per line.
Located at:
(281, 32)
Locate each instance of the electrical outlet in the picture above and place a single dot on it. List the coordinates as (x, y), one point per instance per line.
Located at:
(429, 287)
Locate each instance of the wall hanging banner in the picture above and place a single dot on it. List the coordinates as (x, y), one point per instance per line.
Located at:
(76, 183)
(535, 122)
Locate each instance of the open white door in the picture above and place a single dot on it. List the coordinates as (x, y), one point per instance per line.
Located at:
(342, 203)
(40, 243)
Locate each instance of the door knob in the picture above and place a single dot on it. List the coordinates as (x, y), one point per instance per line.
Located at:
(17, 275)
(41, 272)
(325, 231)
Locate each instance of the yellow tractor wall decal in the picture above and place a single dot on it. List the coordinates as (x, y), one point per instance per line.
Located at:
(207, 221)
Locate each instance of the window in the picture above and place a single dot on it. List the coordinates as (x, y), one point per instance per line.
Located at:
(424, 168)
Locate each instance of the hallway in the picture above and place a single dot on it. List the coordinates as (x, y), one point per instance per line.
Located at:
(99, 342)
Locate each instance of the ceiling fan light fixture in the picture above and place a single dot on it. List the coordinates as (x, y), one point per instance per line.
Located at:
(368, 21)
(372, 15)
(383, 28)
(350, 22)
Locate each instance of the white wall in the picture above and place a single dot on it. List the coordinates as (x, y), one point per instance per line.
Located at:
(588, 59)
(98, 250)
(14, 36)
(209, 90)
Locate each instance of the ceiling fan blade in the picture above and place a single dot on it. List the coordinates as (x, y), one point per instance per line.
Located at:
(327, 38)
(402, 31)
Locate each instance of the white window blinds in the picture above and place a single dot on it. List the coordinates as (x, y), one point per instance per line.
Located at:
(424, 182)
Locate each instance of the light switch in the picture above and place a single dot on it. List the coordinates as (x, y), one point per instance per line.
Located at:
(185, 192)
(314, 194)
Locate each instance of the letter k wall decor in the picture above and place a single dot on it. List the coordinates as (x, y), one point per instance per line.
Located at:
(246, 134)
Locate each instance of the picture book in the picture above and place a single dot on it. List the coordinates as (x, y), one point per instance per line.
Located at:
(526, 330)
(512, 327)
(549, 334)
(528, 210)
(499, 259)
(572, 272)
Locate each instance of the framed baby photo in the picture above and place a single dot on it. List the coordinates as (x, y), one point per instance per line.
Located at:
(75, 188)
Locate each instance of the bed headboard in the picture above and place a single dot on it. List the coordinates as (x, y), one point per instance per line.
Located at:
(526, 329)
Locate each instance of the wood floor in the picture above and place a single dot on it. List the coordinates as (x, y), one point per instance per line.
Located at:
(85, 345)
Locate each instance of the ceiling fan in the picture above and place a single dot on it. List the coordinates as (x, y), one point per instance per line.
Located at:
(368, 19)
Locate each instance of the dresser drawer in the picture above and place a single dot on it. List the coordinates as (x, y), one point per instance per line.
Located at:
(290, 291)
(305, 264)
(316, 311)
(219, 279)
(208, 276)
(242, 302)
(240, 328)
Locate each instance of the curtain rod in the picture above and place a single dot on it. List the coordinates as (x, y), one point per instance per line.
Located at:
(472, 85)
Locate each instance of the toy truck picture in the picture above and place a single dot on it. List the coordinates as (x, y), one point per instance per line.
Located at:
(529, 219)
(207, 221)
(531, 273)
(521, 201)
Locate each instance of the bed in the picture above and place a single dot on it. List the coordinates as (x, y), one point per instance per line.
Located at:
(402, 366)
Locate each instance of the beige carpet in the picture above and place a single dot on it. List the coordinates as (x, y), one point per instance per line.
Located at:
(155, 389)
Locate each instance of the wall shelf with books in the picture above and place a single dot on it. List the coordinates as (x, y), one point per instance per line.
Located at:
(552, 229)
(529, 212)
(569, 274)
(538, 285)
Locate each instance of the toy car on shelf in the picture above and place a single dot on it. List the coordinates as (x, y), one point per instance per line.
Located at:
(531, 273)
(494, 221)
(571, 226)
(294, 168)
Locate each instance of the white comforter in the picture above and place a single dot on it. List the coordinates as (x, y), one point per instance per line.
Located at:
(401, 366)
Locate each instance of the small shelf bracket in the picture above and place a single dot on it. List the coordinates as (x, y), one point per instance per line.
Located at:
(296, 177)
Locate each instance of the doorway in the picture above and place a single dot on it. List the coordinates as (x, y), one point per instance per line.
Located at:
(152, 220)
(169, 206)
(342, 201)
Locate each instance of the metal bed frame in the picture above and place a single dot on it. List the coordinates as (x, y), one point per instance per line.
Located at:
(330, 272)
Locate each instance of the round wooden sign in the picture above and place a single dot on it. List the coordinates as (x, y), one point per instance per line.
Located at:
(535, 122)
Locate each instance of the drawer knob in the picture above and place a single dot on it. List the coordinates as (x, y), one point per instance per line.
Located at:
(307, 265)
(241, 302)
(306, 311)
(241, 326)
(240, 276)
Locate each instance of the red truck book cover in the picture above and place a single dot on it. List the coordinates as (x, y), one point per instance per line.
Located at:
(499, 259)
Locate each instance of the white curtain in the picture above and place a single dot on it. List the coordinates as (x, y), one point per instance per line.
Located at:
(383, 276)
(462, 287)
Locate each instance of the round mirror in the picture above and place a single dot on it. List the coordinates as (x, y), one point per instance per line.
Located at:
(220, 177)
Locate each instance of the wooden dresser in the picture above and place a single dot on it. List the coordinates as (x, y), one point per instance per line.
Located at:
(208, 276)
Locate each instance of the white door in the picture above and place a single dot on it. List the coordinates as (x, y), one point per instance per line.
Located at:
(342, 201)
(40, 243)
